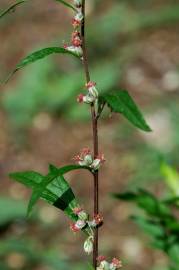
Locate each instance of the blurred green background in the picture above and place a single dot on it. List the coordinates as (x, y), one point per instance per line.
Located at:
(132, 45)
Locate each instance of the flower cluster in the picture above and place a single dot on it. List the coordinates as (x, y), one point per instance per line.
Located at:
(91, 96)
(84, 222)
(76, 43)
(104, 265)
(85, 158)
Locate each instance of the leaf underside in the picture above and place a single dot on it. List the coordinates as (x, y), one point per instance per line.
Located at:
(122, 102)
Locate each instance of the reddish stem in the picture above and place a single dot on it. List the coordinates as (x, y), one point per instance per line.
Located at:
(95, 136)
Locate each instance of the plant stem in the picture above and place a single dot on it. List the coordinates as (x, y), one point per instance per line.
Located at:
(95, 136)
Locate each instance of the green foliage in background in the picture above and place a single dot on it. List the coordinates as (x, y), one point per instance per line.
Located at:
(160, 216)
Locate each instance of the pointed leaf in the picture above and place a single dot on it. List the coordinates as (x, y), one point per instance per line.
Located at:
(66, 4)
(29, 178)
(52, 168)
(122, 102)
(33, 200)
(53, 188)
(40, 54)
(11, 8)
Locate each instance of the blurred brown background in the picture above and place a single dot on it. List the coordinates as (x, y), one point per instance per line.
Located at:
(132, 45)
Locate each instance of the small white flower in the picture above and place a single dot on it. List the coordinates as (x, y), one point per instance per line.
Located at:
(89, 99)
(105, 265)
(96, 164)
(76, 50)
(88, 245)
(80, 224)
(79, 16)
(93, 91)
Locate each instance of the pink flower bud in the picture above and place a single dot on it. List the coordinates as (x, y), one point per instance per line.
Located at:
(76, 21)
(115, 264)
(77, 210)
(76, 39)
(80, 213)
(101, 158)
(76, 42)
(74, 228)
(80, 98)
(90, 84)
(80, 224)
(84, 158)
(101, 258)
(98, 219)
(76, 34)
(85, 151)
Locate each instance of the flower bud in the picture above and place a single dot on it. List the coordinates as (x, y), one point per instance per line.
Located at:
(80, 213)
(88, 160)
(89, 99)
(80, 224)
(116, 264)
(88, 245)
(104, 265)
(80, 98)
(96, 164)
(74, 228)
(97, 220)
(76, 21)
(74, 49)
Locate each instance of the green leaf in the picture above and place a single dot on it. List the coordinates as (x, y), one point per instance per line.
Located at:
(126, 196)
(174, 253)
(53, 188)
(171, 177)
(29, 178)
(66, 4)
(159, 244)
(52, 168)
(56, 191)
(149, 226)
(122, 102)
(11, 8)
(69, 168)
(40, 54)
(147, 201)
